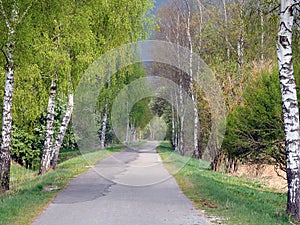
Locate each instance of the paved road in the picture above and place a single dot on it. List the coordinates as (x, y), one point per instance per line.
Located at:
(128, 188)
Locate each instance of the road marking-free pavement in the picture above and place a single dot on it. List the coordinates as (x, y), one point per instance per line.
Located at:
(128, 188)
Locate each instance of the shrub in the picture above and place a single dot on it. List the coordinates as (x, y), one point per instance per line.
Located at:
(255, 128)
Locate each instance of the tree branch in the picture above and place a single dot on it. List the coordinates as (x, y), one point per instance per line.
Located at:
(25, 12)
(272, 10)
(6, 58)
(3, 13)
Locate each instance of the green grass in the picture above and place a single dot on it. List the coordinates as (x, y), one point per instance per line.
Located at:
(233, 200)
(66, 154)
(28, 198)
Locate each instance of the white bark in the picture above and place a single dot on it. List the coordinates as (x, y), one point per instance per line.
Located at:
(62, 131)
(200, 24)
(181, 105)
(262, 38)
(241, 41)
(226, 29)
(290, 106)
(195, 107)
(45, 163)
(240, 53)
(177, 123)
(132, 133)
(127, 124)
(173, 121)
(5, 153)
(103, 129)
(6, 131)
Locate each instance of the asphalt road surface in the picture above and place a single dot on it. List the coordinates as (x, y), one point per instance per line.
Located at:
(128, 188)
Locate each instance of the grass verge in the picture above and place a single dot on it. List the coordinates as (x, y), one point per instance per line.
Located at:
(28, 195)
(226, 199)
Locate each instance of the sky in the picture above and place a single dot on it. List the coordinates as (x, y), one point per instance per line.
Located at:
(159, 3)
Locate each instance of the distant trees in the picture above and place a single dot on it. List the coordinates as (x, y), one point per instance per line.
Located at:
(226, 37)
(136, 118)
(177, 25)
(119, 30)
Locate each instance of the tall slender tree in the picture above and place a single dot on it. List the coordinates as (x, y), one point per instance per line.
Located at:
(289, 105)
(79, 49)
(70, 47)
(12, 17)
(192, 84)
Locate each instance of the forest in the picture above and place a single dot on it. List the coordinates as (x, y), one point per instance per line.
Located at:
(46, 46)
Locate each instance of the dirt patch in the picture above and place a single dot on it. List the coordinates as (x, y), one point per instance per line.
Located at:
(265, 173)
(205, 203)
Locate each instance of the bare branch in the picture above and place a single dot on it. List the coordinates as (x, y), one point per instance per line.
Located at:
(274, 9)
(277, 172)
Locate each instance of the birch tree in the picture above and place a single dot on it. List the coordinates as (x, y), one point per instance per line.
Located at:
(195, 107)
(12, 17)
(241, 39)
(175, 26)
(226, 29)
(67, 40)
(79, 53)
(104, 124)
(289, 105)
(262, 37)
(45, 162)
(62, 131)
(54, 70)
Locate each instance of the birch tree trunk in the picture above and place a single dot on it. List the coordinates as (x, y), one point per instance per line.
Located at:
(5, 154)
(132, 134)
(45, 163)
(289, 106)
(62, 132)
(181, 105)
(173, 122)
(177, 123)
(103, 130)
(195, 108)
(240, 53)
(226, 29)
(127, 124)
(262, 38)
(6, 131)
(241, 41)
(200, 18)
